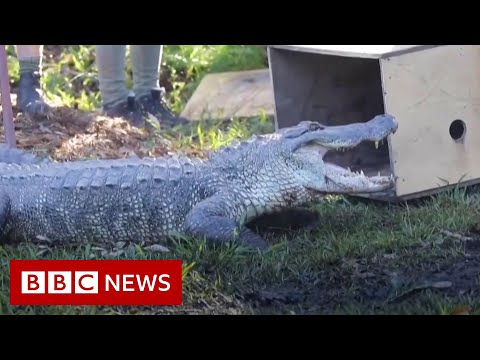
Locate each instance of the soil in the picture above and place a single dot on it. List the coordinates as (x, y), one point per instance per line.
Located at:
(377, 286)
(71, 134)
(370, 286)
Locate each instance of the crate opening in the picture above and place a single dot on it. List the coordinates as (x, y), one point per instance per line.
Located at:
(333, 90)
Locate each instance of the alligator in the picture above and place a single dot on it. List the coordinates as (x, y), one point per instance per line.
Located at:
(146, 200)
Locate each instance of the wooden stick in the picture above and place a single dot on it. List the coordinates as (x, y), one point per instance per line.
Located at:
(6, 100)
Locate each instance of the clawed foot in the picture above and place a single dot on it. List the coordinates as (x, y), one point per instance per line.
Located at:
(252, 240)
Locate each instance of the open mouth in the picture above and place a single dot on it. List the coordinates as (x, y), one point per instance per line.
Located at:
(357, 155)
(370, 159)
(364, 168)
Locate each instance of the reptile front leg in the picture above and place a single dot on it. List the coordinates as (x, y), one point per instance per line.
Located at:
(209, 219)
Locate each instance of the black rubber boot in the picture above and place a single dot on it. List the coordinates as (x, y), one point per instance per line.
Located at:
(29, 95)
(156, 105)
(129, 110)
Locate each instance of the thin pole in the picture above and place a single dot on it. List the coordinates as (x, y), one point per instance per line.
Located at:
(6, 100)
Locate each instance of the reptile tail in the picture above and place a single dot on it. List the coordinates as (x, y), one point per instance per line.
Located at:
(10, 155)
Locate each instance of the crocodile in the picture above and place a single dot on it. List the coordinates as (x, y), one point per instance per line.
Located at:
(146, 200)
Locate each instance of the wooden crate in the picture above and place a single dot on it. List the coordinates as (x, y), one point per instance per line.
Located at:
(432, 90)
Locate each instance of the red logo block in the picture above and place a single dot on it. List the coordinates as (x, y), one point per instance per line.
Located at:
(95, 282)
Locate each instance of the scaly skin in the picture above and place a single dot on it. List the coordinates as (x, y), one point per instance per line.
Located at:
(145, 200)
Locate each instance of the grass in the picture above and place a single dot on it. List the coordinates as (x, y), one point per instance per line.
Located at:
(366, 257)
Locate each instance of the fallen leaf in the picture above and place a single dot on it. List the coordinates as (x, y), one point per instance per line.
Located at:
(460, 310)
(441, 284)
(157, 248)
(456, 236)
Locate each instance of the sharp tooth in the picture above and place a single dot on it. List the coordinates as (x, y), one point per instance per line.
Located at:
(376, 144)
(378, 173)
(361, 173)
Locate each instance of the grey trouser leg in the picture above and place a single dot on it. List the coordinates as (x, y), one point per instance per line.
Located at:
(111, 73)
(30, 58)
(146, 60)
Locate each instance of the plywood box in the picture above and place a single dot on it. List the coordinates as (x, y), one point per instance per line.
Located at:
(432, 90)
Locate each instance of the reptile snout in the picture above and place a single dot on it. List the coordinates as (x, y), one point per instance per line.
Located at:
(394, 121)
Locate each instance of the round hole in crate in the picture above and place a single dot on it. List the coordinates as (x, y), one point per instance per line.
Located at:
(457, 129)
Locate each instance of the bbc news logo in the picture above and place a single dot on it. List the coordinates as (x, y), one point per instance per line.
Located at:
(95, 282)
(60, 282)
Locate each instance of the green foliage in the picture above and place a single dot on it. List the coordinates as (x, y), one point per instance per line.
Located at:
(71, 79)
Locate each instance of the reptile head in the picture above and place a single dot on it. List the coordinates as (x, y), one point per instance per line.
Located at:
(309, 142)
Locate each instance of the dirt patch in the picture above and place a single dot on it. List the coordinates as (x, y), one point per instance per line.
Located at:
(70, 134)
(464, 275)
(382, 283)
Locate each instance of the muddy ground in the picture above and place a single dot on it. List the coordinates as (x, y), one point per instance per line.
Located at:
(382, 287)
(378, 286)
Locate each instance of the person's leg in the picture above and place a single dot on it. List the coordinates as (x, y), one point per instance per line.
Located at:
(113, 89)
(29, 97)
(146, 61)
(111, 73)
(145, 68)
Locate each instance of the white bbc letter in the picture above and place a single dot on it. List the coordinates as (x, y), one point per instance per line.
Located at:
(115, 284)
(86, 282)
(127, 282)
(166, 283)
(60, 282)
(33, 282)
